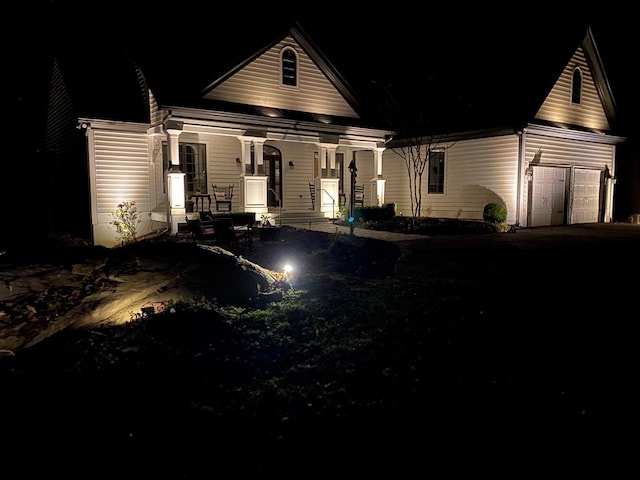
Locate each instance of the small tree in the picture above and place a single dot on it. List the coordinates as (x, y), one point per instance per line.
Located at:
(415, 120)
(126, 220)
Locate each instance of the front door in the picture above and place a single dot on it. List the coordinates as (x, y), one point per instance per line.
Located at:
(273, 170)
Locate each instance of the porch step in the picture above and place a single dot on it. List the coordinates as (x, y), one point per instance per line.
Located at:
(294, 218)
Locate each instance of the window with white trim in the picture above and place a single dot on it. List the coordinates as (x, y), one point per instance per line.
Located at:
(576, 87)
(289, 61)
(193, 162)
(435, 173)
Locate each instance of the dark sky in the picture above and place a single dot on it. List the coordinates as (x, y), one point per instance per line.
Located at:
(396, 42)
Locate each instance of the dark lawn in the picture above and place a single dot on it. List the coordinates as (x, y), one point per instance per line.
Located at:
(501, 354)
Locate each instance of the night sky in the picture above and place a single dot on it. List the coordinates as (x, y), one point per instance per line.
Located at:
(396, 44)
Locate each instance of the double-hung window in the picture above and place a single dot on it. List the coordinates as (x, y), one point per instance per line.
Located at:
(435, 173)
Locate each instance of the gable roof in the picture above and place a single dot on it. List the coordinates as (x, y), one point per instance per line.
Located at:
(498, 85)
(110, 81)
(501, 86)
(319, 59)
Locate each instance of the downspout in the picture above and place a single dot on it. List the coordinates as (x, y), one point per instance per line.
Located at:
(520, 187)
(610, 186)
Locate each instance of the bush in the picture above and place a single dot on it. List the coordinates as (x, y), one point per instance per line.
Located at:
(126, 220)
(389, 210)
(495, 212)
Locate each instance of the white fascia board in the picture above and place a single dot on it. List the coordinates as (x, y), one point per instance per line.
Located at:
(558, 132)
(226, 120)
(112, 125)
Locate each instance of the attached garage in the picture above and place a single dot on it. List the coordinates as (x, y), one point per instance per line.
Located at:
(561, 193)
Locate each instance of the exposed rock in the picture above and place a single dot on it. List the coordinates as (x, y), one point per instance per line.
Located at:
(39, 301)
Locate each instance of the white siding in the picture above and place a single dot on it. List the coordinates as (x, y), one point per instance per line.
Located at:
(222, 168)
(364, 176)
(295, 180)
(120, 171)
(559, 151)
(558, 108)
(259, 84)
(477, 172)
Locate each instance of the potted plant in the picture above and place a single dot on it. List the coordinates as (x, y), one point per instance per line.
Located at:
(265, 219)
(266, 231)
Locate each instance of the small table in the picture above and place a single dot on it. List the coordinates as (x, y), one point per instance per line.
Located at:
(199, 198)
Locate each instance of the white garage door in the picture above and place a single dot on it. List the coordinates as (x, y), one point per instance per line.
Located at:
(585, 204)
(547, 199)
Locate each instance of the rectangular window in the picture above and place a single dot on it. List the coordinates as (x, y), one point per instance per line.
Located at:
(436, 172)
(193, 162)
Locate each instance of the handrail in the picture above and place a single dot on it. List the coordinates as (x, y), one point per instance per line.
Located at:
(279, 206)
(333, 203)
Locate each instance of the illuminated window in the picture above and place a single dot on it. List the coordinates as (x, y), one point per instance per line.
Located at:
(289, 67)
(193, 162)
(576, 86)
(436, 172)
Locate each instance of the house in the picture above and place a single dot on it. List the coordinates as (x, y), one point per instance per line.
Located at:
(551, 161)
(280, 127)
(286, 131)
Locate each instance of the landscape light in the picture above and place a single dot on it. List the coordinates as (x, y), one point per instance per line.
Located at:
(287, 269)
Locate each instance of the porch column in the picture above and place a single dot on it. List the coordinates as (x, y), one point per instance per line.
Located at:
(246, 154)
(254, 186)
(328, 155)
(258, 149)
(175, 178)
(380, 183)
(323, 158)
(331, 150)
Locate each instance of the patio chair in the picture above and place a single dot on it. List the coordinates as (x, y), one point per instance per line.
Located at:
(358, 196)
(222, 195)
(201, 229)
(312, 192)
(227, 234)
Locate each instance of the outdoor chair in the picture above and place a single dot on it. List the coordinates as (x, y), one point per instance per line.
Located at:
(312, 193)
(223, 195)
(358, 196)
(201, 229)
(226, 234)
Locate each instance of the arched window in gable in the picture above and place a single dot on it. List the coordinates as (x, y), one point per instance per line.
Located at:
(289, 61)
(576, 87)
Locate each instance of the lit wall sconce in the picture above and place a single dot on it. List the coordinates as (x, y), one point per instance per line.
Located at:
(528, 174)
(291, 163)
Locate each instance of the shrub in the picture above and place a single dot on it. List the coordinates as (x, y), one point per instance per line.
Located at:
(389, 210)
(495, 212)
(126, 220)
